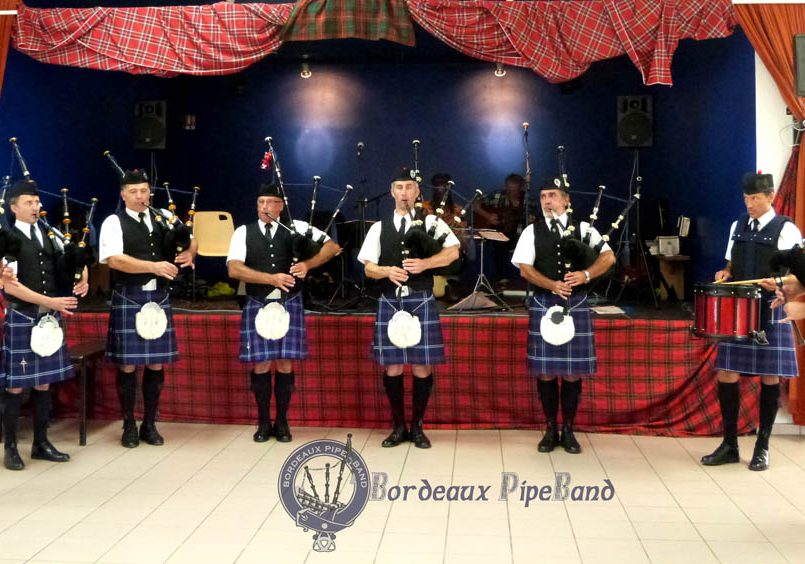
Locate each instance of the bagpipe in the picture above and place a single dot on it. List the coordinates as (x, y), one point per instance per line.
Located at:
(575, 248)
(177, 232)
(73, 257)
(303, 245)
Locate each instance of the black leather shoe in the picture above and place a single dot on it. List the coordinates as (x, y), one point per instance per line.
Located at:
(282, 432)
(398, 435)
(549, 440)
(46, 451)
(263, 433)
(724, 454)
(130, 438)
(569, 442)
(760, 460)
(150, 435)
(418, 436)
(12, 459)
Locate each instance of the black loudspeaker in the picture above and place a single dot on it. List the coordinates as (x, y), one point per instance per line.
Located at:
(635, 121)
(799, 57)
(150, 125)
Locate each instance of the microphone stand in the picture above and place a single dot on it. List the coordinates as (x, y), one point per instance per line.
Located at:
(527, 196)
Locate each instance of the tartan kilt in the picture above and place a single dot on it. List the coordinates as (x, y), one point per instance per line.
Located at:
(123, 344)
(430, 349)
(293, 346)
(24, 368)
(574, 358)
(778, 358)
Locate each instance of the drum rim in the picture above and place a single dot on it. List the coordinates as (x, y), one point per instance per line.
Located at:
(735, 290)
(718, 336)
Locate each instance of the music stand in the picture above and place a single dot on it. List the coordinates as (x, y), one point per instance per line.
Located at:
(350, 236)
(479, 297)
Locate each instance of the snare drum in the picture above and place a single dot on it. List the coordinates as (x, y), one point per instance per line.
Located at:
(727, 311)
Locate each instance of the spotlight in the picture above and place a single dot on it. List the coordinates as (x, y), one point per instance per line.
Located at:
(499, 70)
(305, 71)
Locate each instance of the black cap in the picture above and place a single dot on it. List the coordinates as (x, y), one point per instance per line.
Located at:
(269, 190)
(758, 183)
(404, 174)
(554, 183)
(23, 187)
(136, 176)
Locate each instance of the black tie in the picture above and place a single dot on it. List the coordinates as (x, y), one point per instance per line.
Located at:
(402, 227)
(269, 237)
(555, 227)
(143, 226)
(755, 225)
(34, 238)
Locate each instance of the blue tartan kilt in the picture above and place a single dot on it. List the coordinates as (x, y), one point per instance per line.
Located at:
(123, 344)
(24, 368)
(574, 358)
(430, 349)
(293, 346)
(778, 358)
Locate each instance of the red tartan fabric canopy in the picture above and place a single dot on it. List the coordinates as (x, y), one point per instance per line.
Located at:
(556, 39)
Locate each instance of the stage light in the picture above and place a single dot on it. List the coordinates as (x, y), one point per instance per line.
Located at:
(500, 71)
(305, 71)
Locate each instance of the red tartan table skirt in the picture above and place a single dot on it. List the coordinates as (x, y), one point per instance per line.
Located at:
(653, 378)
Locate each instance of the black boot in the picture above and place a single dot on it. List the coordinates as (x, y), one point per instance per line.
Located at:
(153, 380)
(421, 395)
(769, 399)
(127, 394)
(11, 415)
(283, 390)
(571, 392)
(548, 391)
(42, 449)
(261, 387)
(395, 390)
(727, 451)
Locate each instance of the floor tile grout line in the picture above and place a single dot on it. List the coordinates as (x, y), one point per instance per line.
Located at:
(174, 491)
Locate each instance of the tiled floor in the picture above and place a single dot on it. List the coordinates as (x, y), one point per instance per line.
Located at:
(211, 495)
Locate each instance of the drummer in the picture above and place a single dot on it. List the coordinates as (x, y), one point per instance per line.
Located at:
(261, 255)
(754, 239)
(407, 285)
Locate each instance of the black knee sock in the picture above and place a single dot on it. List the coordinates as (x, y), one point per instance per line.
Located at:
(127, 393)
(283, 390)
(153, 380)
(421, 395)
(261, 387)
(41, 404)
(395, 390)
(769, 400)
(548, 391)
(728, 399)
(571, 393)
(11, 415)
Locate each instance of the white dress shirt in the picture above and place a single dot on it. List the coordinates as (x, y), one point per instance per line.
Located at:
(370, 250)
(789, 236)
(524, 252)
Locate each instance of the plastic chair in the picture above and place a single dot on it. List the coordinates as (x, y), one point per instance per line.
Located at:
(213, 231)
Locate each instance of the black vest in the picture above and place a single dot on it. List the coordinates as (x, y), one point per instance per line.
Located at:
(138, 245)
(548, 256)
(752, 251)
(391, 247)
(271, 257)
(36, 268)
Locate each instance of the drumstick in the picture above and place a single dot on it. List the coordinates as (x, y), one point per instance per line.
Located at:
(783, 279)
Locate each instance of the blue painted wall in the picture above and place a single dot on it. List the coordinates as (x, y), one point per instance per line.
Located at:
(468, 120)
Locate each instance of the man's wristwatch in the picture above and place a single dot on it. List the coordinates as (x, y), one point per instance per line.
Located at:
(586, 275)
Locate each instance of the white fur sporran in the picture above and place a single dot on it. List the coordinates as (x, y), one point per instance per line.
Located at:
(556, 327)
(47, 337)
(404, 330)
(151, 321)
(272, 321)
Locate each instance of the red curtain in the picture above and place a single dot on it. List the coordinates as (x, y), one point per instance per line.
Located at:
(221, 38)
(771, 29)
(6, 26)
(560, 40)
